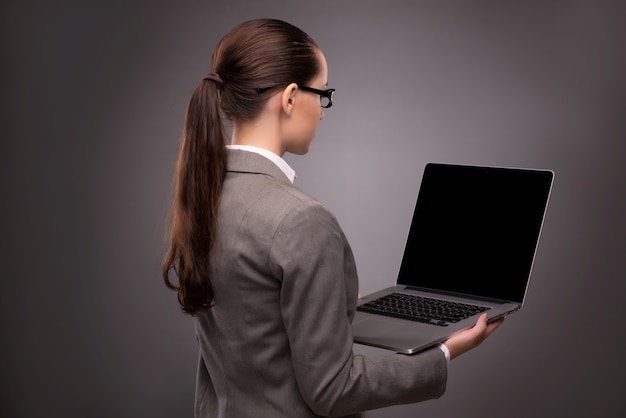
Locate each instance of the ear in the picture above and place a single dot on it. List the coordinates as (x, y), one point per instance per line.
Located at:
(288, 98)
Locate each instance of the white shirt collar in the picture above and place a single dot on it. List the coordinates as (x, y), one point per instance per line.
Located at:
(282, 164)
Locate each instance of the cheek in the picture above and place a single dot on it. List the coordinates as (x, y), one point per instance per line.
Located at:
(306, 126)
(307, 134)
(314, 124)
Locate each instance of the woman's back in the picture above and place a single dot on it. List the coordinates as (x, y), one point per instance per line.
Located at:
(246, 337)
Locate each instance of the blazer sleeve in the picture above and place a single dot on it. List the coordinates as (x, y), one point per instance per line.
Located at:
(311, 255)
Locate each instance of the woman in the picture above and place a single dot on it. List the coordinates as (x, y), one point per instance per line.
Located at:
(265, 270)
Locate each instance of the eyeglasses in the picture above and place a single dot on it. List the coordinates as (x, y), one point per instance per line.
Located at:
(326, 96)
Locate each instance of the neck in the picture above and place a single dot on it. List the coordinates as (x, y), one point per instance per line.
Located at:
(263, 133)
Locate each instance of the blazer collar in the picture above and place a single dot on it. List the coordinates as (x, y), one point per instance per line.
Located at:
(250, 162)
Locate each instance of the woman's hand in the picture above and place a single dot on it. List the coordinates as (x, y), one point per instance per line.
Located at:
(465, 340)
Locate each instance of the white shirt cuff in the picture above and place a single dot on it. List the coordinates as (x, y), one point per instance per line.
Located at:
(446, 352)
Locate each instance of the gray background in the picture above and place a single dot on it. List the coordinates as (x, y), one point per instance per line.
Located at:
(93, 97)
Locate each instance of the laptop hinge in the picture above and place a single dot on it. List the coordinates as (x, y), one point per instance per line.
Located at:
(458, 295)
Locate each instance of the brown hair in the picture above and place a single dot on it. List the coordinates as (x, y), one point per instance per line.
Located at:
(254, 60)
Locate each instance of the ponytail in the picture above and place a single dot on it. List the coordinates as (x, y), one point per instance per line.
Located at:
(255, 55)
(200, 173)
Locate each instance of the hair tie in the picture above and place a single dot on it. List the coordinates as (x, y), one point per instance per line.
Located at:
(214, 77)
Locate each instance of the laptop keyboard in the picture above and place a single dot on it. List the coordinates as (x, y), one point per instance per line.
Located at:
(421, 309)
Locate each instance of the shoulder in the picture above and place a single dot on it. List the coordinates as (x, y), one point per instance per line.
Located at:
(302, 211)
(304, 227)
(269, 206)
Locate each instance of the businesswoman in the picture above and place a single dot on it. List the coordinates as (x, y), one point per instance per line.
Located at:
(264, 269)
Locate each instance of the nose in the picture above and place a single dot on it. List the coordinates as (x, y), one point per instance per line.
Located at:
(322, 115)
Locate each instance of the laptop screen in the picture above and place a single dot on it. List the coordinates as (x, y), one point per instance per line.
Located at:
(475, 230)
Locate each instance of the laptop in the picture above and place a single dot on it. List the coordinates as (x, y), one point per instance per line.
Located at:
(470, 250)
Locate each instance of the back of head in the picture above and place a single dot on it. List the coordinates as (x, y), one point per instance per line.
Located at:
(256, 59)
(253, 61)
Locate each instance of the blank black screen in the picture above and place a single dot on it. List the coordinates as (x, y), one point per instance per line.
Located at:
(475, 230)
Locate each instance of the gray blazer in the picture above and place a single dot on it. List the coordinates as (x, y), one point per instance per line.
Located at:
(277, 342)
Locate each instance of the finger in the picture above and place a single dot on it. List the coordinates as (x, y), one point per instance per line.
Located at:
(492, 326)
(481, 324)
(485, 329)
(476, 331)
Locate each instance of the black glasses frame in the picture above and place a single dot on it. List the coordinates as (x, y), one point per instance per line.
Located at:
(329, 93)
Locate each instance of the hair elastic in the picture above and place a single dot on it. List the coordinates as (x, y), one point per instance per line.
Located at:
(214, 77)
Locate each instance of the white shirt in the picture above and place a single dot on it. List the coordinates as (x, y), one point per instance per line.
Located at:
(282, 164)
